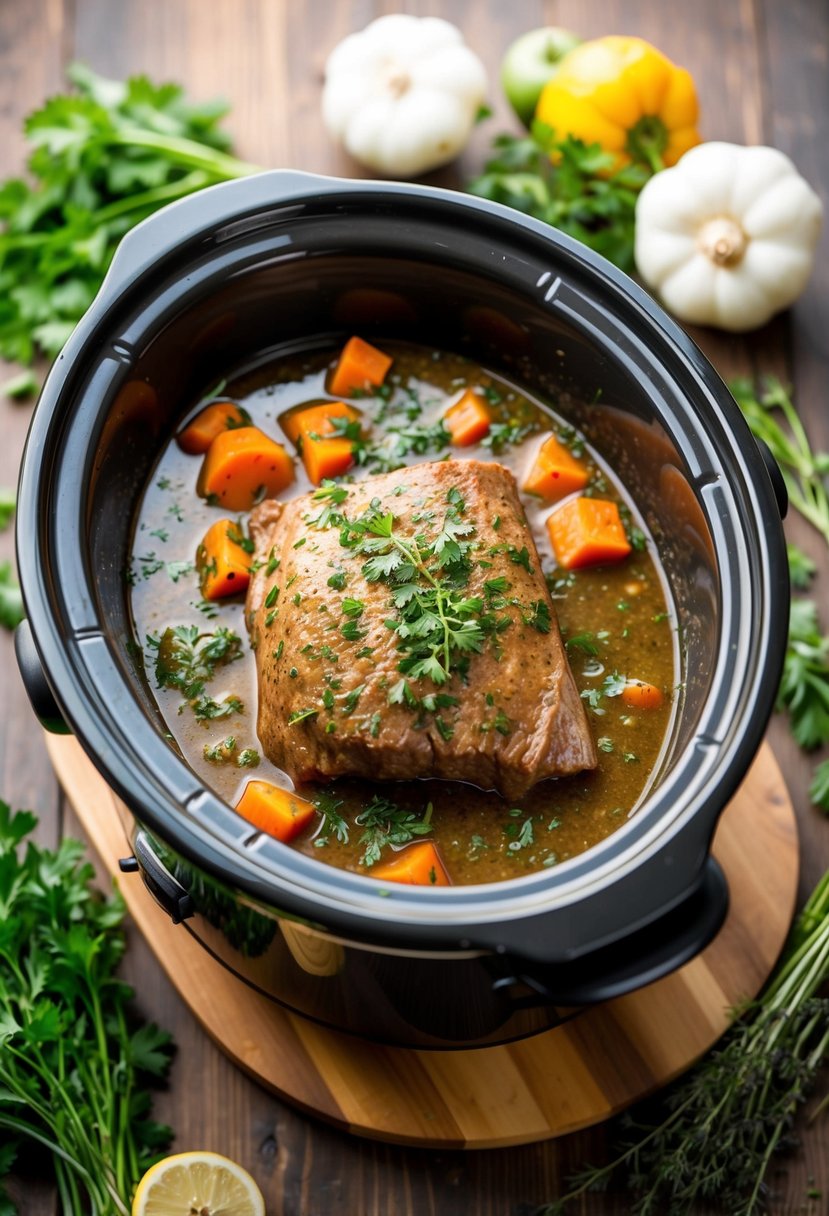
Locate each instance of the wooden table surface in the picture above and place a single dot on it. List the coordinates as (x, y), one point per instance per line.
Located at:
(761, 69)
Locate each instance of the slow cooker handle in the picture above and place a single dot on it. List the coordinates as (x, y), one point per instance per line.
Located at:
(645, 956)
(199, 217)
(166, 890)
(34, 681)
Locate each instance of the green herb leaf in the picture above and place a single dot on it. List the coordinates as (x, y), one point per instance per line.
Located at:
(101, 161)
(384, 823)
(76, 1064)
(569, 185)
(11, 600)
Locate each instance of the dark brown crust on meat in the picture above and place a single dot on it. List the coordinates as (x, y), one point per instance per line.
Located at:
(530, 683)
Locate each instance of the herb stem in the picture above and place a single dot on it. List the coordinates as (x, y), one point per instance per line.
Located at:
(152, 199)
(185, 151)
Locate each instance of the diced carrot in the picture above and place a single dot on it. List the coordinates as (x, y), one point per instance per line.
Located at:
(326, 458)
(223, 565)
(316, 419)
(361, 366)
(275, 811)
(587, 532)
(325, 453)
(198, 435)
(418, 864)
(556, 472)
(242, 466)
(638, 694)
(468, 420)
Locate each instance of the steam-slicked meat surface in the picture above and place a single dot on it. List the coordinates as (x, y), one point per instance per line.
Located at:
(332, 698)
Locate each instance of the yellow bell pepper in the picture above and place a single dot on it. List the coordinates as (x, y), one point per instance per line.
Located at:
(625, 95)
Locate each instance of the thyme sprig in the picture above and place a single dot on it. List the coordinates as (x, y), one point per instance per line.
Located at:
(716, 1131)
(772, 417)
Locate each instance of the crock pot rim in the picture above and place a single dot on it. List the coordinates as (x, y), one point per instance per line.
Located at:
(136, 256)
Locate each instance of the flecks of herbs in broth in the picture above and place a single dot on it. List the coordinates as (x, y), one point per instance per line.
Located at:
(615, 620)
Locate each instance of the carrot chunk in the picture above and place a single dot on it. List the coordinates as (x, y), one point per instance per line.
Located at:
(242, 466)
(326, 458)
(468, 420)
(315, 431)
(638, 694)
(223, 565)
(556, 472)
(361, 366)
(587, 532)
(418, 864)
(275, 811)
(316, 419)
(198, 435)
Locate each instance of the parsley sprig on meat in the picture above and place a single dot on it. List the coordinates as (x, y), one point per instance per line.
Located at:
(437, 624)
(75, 1063)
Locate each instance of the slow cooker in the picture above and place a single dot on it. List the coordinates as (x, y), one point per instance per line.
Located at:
(222, 279)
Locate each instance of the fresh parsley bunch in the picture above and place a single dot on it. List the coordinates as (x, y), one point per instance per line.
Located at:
(102, 160)
(75, 1063)
(569, 185)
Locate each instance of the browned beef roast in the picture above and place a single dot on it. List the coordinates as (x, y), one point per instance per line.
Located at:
(332, 697)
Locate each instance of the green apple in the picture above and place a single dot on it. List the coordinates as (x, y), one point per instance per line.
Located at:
(529, 63)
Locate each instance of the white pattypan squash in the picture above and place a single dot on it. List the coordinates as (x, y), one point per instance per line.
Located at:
(403, 94)
(727, 237)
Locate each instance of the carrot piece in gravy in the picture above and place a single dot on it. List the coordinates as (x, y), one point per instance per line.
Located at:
(468, 420)
(638, 694)
(556, 472)
(315, 430)
(222, 563)
(243, 466)
(326, 458)
(418, 864)
(198, 435)
(316, 419)
(587, 532)
(361, 366)
(275, 811)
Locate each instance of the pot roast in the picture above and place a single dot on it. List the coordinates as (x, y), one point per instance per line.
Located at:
(403, 628)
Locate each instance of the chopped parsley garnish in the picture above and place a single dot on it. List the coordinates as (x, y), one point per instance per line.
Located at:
(332, 821)
(384, 824)
(236, 534)
(585, 642)
(186, 660)
(611, 686)
(521, 557)
(301, 714)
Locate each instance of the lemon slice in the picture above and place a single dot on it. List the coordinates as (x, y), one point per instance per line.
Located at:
(197, 1184)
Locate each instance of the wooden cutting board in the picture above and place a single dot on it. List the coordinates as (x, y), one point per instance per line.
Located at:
(571, 1076)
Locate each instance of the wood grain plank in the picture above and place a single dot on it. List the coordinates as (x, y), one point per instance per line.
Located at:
(543, 1086)
(31, 50)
